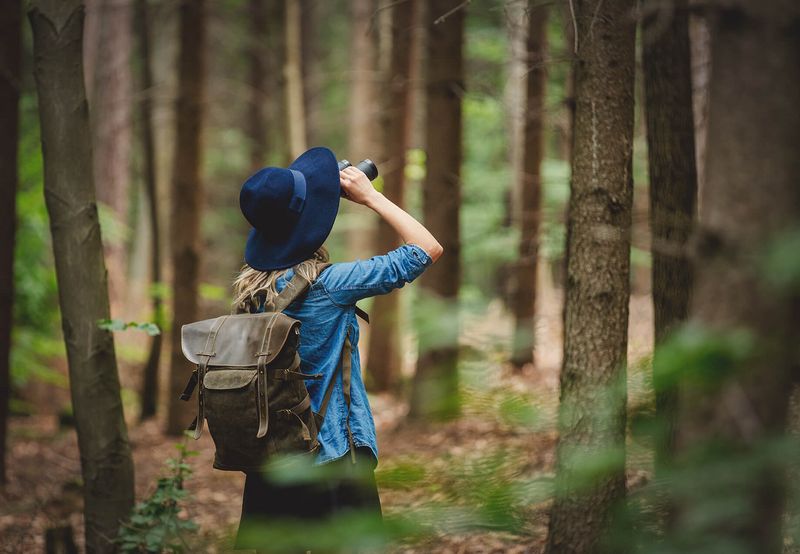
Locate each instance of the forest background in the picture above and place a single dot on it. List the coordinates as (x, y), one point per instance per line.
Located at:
(492, 122)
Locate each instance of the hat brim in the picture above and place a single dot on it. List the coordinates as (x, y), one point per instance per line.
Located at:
(268, 252)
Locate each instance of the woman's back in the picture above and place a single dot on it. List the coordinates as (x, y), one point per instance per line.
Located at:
(328, 316)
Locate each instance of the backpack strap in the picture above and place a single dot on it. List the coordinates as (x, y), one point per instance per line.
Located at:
(346, 371)
(197, 375)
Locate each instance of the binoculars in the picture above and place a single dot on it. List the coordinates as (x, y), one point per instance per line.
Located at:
(367, 166)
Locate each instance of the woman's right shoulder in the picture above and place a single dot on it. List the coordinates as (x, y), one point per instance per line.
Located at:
(348, 282)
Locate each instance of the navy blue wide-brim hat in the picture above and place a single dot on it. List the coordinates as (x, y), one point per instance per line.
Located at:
(292, 209)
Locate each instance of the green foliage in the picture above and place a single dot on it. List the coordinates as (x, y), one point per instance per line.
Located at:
(36, 337)
(119, 325)
(781, 263)
(155, 525)
(700, 357)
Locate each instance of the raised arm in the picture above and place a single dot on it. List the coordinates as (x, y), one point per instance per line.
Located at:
(358, 188)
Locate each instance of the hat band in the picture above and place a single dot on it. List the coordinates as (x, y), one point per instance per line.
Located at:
(299, 192)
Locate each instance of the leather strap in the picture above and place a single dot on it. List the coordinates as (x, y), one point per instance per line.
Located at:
(297, 285)
(190, 385)
(346, 377)
(294, 287)
(262, 398)
(205, 357)
(346, 371)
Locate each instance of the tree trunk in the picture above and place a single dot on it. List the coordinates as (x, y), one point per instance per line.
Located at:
(364, 123)
(110, 116)
(673, 181)
(10, 85)
(259, 93)
(592, 402)
(384, 342)
(435, 389)
(278, 146)
(149, 391)
(751, 206)
(701, 70)
(295, 103)
(187, 198)
(106, 463)
(524, 305)
(310, 17)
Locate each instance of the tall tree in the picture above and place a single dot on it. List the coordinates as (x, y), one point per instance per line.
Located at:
(257, 78)
(187, 197)
(384, 341)
(106, 464)
(276, 55)
(293, 72)
(673, 177)
(109, 90)
(530, 184)
(311, 16)
(10, 84)
(750, 207)
(149, 390)
(592, 402)
(435, 388)
(363, 122)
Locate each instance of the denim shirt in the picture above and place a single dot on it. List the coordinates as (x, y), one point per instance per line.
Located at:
(327, 314)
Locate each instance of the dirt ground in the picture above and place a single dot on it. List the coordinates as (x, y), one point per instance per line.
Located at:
(44, 487)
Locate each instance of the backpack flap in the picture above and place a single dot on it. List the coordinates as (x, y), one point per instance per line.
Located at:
(239, 339)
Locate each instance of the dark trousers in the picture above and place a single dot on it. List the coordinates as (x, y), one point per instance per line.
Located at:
(343, 487)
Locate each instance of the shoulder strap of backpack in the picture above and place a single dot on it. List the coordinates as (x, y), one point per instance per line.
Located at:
(346, 371)
(293, 289)
(296, 286)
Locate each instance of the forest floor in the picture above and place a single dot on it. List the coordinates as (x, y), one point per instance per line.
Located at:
(506, 437)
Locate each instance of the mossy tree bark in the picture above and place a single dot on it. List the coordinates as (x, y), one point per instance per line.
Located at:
(10, 85)
(187, 199)
(106, 464)
(530, 186)
(731, 414)
(673, 181)
(592, 402)
(435, 388)
(395, 123)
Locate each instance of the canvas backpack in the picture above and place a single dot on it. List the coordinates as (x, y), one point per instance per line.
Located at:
(251, 391)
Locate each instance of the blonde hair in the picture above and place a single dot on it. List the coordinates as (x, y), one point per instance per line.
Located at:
(253, 288)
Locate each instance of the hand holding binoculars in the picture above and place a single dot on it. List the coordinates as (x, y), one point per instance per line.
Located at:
(367, 166)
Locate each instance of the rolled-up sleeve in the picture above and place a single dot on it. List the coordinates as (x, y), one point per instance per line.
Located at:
(349, 282)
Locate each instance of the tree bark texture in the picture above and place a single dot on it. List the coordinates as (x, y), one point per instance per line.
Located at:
(530, 186)
(700, 43)
(435, 388)
(673, 180)
(149, 390)
(187, 199)
(395, 123)
(257, 76)
(363, 128)
(106, 464)
(10, 88)
(751, 201)
(293, 71)
(110, 116)
(275, 39)
(311, 13)
(592, 400)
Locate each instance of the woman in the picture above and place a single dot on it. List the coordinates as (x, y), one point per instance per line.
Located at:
(292, 212)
